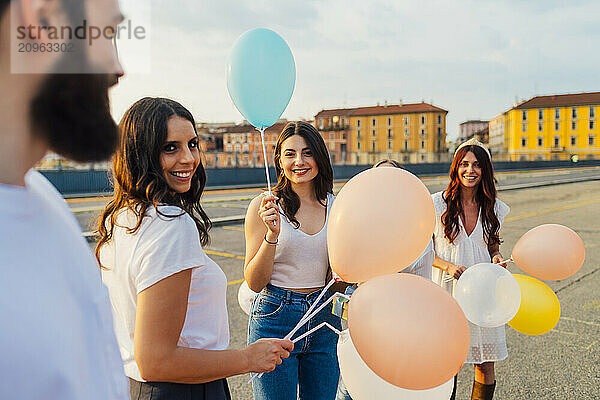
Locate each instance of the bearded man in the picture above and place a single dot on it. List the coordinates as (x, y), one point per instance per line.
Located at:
(56, 334)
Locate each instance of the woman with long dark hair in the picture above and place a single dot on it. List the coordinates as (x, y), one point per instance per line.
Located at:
(287, 262)
(468, 221)
(167, 295)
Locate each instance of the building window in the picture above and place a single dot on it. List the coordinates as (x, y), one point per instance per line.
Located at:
(540, 114)
(556, 126)
(556, 113)
(358, 134)
(373, 146)
(406, 132)
(389, 121)
(540, 141)
(332, 136)
(524, 127)
(524, 115)
(373, 122)
(591, 125)
(556, 141)
(540, 126)
(406, 145)
(389, 144)
(358, 123)
(422, 132)
(358, 145)
(439, 119)
(590, 140)
(422, 157)
(439, 131)
(373, 131)
(524, 141)
(389, 133)
(422, 144)
(574, 112)
(573, 140)
(228, 148)
(439, 145)
(405, 120)
(592, 114)
(573, 125)
(320, 123)
(422, 119)
(343, 136)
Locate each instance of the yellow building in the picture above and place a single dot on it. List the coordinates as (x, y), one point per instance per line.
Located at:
(556, 127)
(409, 133)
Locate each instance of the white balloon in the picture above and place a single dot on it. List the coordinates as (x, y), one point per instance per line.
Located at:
(488, 294)
(246, 297)
(363, 384)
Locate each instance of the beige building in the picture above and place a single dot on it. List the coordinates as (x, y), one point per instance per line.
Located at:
(409, 133)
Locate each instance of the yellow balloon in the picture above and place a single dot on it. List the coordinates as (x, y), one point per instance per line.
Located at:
(540, 309)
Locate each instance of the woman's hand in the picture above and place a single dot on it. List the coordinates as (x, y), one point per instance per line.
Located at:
(269, 214)
(498, 259)
(265, 354)
(456, 270)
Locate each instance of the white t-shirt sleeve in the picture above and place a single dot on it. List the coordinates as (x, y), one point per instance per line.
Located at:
(167, 246)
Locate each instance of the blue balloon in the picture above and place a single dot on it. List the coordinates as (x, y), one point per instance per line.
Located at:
(261, 75)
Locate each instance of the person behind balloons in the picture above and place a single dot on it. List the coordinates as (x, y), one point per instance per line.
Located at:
(421, 267)
(167, 295)
(287, 262)
(468, 222)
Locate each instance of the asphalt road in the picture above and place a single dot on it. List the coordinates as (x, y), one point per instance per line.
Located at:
(563, 364)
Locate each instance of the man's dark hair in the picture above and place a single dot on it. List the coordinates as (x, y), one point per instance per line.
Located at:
(3, 5)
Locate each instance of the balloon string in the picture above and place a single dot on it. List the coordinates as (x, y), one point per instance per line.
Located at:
(310, 314)
(316, 328)
(262, 138)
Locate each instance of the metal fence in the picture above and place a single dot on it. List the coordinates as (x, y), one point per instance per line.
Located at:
(81, 182)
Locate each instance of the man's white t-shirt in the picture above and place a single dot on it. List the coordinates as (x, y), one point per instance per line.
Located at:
(161, 247)
(56, 334)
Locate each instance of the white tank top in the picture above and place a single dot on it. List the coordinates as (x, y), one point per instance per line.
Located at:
(301, 260)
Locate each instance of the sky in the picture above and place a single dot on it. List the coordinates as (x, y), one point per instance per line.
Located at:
(472, 58)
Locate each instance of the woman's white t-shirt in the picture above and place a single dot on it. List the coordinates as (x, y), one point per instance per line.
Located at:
(161, 247)
(487, 344)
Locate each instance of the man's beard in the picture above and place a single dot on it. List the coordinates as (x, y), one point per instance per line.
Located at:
(71, 112)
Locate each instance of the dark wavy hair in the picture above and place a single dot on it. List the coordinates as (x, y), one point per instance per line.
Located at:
(388, 161)
(137, 176)
(485, 197)
(322, 183)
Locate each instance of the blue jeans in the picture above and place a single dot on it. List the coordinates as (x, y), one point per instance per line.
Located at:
(311, 372)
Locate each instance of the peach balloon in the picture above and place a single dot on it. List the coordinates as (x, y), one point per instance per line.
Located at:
(549, 252)
(408, 330)
(380, 222)
(540, 309)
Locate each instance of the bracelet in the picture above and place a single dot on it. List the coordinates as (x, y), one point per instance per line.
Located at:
(272, 243)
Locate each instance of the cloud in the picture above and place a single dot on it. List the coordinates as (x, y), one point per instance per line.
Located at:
(471, 57)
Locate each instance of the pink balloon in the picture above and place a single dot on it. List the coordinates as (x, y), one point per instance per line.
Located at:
(380, 222)
(408, 330)
(549, 252)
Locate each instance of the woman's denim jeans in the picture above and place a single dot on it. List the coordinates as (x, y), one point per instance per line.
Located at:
(311, 372)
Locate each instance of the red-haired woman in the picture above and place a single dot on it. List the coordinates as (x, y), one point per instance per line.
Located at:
(468, 221)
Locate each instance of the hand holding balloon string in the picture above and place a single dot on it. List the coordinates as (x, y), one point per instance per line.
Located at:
(310, 314)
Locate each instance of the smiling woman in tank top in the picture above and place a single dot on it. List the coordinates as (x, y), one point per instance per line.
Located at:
(287, 262)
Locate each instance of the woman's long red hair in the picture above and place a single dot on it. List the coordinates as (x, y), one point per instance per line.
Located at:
(485, 197)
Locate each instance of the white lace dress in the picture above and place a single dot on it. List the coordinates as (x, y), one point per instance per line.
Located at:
(487, 344)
